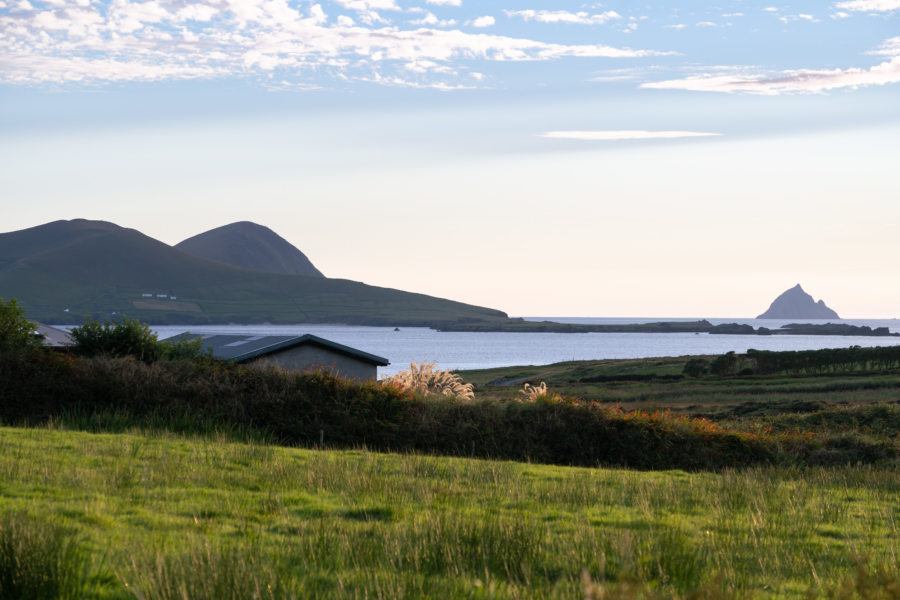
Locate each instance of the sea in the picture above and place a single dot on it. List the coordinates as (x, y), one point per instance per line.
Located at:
(481, 350)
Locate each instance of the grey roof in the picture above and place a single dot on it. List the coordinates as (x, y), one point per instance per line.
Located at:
(52, 337)
(241, 348)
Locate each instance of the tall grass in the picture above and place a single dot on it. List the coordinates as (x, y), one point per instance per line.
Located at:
(201, 518)
(425, 378)
(40, 561)
(205, 572)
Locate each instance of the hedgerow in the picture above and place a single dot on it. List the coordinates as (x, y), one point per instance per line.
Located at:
(303, 408)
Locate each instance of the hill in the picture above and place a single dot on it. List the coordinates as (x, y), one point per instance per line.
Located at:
(65, 270)
(797, 304)
(250, 246)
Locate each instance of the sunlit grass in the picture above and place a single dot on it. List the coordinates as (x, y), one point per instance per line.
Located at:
(172, 516)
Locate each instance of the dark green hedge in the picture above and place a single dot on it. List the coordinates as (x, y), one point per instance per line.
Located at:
(293, 408)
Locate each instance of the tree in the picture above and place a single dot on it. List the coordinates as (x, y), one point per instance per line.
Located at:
(16, 332)
(696, 367)
(131, 338)
(725, 364)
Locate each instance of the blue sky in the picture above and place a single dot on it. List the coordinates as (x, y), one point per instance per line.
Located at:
(544, 158)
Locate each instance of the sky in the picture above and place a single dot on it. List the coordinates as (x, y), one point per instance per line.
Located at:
(564, 158)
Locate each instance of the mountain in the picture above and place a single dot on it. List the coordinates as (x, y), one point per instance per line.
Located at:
(797, 304)
(250, 246)
(61, 272)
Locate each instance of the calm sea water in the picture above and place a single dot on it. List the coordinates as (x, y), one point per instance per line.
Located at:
(484, 350)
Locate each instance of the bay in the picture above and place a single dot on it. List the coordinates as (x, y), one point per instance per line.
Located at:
(479, 350)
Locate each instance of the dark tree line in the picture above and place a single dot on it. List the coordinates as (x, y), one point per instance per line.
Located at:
(829, 360)
(800, 362)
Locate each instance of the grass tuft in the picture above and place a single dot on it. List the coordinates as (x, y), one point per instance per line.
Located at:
(40, 560)
(425, 378)
(205, 572)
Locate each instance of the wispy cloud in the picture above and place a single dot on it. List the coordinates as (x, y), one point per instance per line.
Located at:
(270, 39)
(624, 134)
(429, 18)
(890, 47)
(792, 82)
(870, 5)
(563, 16)
(799, 17)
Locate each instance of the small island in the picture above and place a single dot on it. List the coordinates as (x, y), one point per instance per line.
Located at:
(797, 304)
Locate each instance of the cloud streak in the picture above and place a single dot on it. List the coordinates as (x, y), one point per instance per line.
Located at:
(562, 16)
(624, 134)
(870, 5)
(792, 82)
(890, 47)
(168, 39)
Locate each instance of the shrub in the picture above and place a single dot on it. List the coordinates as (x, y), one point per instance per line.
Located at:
(696, 367)
(427, 379)
(16, 332)
(725, 364)
(131, 338)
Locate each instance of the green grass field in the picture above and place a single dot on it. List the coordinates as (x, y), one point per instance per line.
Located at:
(618, 382)
(161, 516)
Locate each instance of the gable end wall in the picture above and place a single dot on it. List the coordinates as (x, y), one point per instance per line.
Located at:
(310, 357)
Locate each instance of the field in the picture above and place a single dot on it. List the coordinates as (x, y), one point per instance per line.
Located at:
(161, 516)
(121, 478)
(658, 383)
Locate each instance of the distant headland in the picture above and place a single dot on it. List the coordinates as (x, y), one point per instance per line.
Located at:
(243, 273)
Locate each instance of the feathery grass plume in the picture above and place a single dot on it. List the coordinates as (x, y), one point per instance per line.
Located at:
(532, 393)
(426, 378)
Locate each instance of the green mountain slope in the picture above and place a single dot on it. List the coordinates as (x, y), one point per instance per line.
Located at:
(98, 269)
(250, 246)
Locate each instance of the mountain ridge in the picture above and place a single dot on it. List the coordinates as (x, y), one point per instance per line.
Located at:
(62, 271)
(250, 246)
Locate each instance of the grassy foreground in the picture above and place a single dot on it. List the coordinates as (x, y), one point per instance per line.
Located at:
(157, 516)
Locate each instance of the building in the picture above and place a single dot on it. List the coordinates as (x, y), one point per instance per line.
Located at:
(301, 353)
(51, 337)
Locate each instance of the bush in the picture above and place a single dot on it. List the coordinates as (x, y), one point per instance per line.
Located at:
(16, 332)
(131, 338)
(696, 367)
(724, 365)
